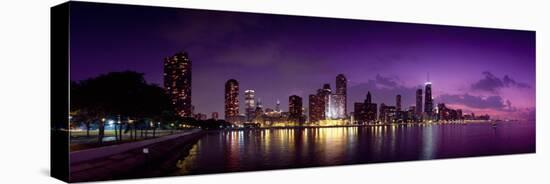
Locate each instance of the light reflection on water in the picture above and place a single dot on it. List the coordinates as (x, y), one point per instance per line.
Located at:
(260, 149)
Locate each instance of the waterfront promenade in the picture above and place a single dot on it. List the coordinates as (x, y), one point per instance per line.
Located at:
(121, 160)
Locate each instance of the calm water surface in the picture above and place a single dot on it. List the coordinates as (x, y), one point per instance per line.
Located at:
(261, 149)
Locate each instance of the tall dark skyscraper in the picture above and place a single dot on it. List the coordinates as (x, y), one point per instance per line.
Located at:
(341, 89)
(398, 102)
(428, 101)
(341, 84)
(369, 98)
(295, 109)
(316, 108)
(359, 112)
(370, 109)
(177, 82)
(295, 105)
(318, 105)
(231, 98)
(418, 107)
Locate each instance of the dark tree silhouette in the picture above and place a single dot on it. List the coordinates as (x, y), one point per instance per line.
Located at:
(125, 94)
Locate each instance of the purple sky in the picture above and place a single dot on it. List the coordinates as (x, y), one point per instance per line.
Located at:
(481, 70)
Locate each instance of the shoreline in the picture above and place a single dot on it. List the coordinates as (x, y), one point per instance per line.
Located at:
(121, 162)
(369, 125)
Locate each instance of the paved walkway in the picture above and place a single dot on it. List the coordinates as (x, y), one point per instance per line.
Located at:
(116, 161)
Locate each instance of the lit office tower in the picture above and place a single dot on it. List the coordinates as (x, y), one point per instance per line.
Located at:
(177, 82)
(231, 99)
(295, 109)
(341, 89)
(325, 94)
(337, 106)
(418, 102)
(250, 104)
(428, 101)
(398, 102)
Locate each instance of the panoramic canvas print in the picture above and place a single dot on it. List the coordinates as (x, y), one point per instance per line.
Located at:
(157, 91)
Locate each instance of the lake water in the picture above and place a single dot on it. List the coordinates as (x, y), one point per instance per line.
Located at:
(261, 149)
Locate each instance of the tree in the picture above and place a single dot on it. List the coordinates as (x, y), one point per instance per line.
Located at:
(124, 94)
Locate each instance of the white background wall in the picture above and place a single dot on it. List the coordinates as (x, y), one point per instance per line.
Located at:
(24, 92)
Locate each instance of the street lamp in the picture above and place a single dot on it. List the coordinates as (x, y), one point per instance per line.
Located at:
(130, 123)
(172, 129)
(158, 125)
(111, 123)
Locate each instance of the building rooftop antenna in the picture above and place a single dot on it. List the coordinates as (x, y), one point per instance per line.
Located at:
(428, 78)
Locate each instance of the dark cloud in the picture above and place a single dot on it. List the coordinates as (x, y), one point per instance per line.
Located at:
(492, 83)
(491, 102)
(386, 81)
(509, 82)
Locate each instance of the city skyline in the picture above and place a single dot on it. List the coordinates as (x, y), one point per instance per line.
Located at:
(156, 91)
(326, 104)
(283, 58)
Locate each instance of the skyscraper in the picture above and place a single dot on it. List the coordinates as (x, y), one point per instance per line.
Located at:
(326, 88)
(370, 109)
(369, 98)
(341, 89)
(337, 106)
(428, 101)
(250, 104)
(316, 108)
(382, 113)
(295, 108)
(325, 94)
(258, 113)
(231, 99)
(418, 102)
(177, 82)
(359, 112)
(398, 102)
